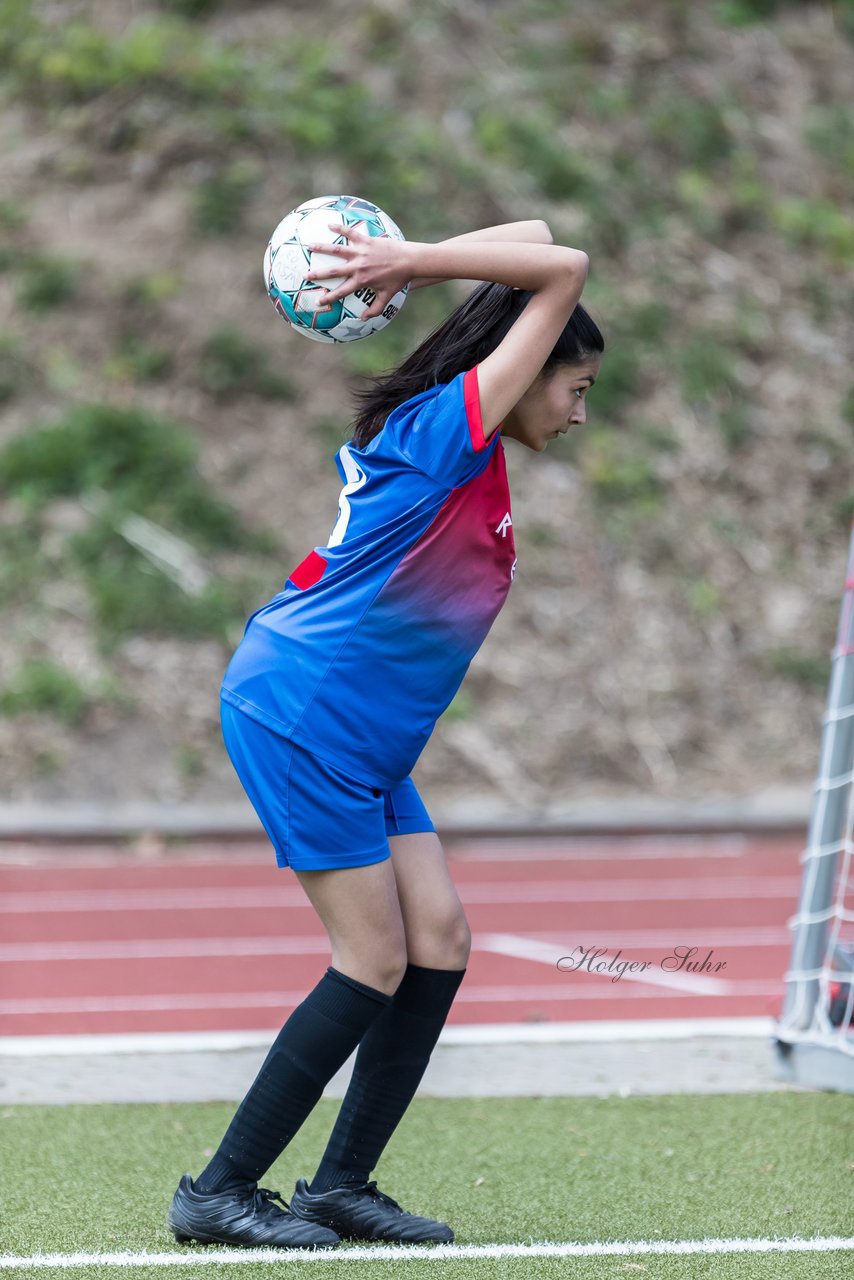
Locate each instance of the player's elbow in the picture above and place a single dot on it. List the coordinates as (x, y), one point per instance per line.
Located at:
(541, 230)
(581, 261)
(573, 267)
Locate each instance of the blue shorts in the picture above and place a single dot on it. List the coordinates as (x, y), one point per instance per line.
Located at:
(317, 817)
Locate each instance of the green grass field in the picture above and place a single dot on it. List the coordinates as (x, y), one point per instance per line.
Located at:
(98, 1179)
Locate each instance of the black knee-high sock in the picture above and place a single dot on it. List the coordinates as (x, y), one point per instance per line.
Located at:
(316, 1040)
(392, 1058)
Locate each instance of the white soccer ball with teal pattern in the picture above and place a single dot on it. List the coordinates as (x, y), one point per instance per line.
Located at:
(287, 260)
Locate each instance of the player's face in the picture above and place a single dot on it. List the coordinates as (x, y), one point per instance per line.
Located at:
(552, 404)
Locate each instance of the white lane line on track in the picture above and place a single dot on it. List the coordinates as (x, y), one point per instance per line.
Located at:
(529, 849)
(307, 945)
(216, 898)
(656, 848)
(437, 1253)
(509, 944)
(288, 1000)
(712, 935)
(483, 1033)
(162, 949)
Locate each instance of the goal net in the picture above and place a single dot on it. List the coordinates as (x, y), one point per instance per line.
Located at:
(815, 1033)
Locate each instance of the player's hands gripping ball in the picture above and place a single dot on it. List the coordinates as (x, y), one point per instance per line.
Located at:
(334, 269)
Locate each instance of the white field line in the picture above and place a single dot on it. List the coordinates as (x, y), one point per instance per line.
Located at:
(189, 948)
(51, 1006)
(483, 1033)
(437, 1253)
(251, 897)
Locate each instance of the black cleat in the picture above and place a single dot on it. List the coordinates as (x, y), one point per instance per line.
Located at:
(247, 1218)
(362, 1212)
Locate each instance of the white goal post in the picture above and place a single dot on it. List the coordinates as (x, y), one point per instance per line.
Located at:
(814, 1037)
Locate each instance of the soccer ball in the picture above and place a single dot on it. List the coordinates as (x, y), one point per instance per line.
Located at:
(287, 260)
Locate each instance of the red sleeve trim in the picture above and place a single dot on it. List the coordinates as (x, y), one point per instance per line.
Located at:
(471, 396)
(309, 571)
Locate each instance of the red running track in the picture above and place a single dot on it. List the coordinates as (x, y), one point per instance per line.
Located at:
(213, 937)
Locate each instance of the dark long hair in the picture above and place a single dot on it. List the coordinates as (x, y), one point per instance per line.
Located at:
(468, 335)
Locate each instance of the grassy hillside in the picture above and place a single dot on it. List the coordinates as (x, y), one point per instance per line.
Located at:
(165, 442)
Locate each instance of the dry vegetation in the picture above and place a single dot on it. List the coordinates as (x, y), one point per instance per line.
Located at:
(680, 563)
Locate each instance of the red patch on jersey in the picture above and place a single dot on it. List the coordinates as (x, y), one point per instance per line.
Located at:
(471, 399)
(309, 571)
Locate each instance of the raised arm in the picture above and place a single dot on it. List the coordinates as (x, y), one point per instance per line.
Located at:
(533, 231)
(554, 274)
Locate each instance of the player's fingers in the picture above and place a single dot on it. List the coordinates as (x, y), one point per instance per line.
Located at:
(356, 230)
(320, 270)
(325, 273)
(378, 306)
(340, 291)
(334, 250)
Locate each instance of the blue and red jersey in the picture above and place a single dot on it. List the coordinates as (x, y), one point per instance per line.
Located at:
(372, 635)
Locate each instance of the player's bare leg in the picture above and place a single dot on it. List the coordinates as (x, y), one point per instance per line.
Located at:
(394, 1053)
(435, 924)
(360, 911)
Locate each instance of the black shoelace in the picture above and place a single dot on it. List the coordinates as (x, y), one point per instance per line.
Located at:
(266, 1197)
(375, 1192)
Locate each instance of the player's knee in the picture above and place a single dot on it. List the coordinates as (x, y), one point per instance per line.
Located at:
(391, 970)
(459, 941)
(443, 943)
(382, 969)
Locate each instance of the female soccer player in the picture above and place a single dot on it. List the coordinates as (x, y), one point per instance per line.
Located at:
(335, 688)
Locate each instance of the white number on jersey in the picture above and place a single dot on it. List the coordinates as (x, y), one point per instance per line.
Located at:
(356, 477)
